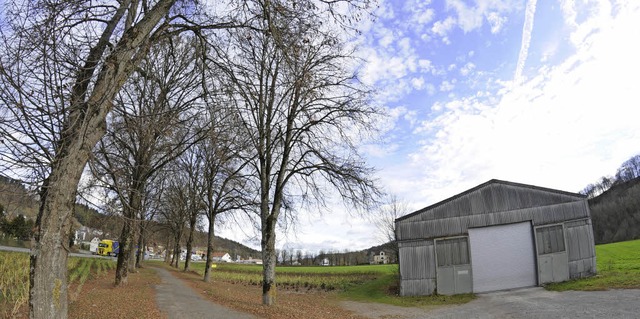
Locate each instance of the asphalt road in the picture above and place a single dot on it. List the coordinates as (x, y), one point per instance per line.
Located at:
(83, 253)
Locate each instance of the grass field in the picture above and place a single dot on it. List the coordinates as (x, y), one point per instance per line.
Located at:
(618, 268)
(14, 278)
(372, 283)
(300, 278)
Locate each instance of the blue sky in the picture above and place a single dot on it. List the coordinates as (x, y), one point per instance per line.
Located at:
(537, 92)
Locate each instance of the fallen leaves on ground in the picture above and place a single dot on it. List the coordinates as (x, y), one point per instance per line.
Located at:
(290, 304)
(136, 299)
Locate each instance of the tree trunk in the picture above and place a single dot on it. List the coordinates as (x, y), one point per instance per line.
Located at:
(177, 251)
(207, 267)
(141, 247)
(167, 256)
(269, 258)
(48, 259)
(122, 267)
(192, 226)
(133, 250)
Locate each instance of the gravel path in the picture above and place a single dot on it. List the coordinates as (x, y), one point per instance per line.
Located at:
(178, 300)
(529, 303)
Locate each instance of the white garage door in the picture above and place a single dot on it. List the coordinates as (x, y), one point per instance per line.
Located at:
(502, 257)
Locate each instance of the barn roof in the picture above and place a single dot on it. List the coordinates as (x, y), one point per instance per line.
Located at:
(545, 196)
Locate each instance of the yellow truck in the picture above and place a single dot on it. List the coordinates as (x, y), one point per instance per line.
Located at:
(108, 247)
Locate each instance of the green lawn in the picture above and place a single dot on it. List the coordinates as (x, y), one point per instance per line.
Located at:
(618, 266)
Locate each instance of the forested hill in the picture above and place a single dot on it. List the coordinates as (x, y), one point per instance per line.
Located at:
(616, 213)
(15, 200)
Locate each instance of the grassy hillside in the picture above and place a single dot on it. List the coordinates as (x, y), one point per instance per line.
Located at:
(618, 267)
(616, 213)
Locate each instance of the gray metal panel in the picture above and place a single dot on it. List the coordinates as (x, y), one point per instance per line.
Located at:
(446, 281)
(420, 287)
(553, 268)
(452, 280)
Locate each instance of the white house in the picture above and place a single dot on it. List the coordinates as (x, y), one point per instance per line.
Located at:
(380, 258)
(221, 257)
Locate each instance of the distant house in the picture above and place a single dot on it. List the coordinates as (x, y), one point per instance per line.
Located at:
(221, 257)
(253, 261)
(380, 258)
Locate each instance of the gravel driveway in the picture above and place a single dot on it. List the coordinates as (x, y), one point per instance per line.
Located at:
(526, 303)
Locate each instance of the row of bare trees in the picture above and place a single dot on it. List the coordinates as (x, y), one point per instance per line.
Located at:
(182, 109)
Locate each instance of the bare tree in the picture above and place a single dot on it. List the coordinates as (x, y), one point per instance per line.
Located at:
(385, 222)
(152, 124)
(629, 170)
(190, 167)
(61, 66)
(174, 212)
(222, 180)
(299, 256)
(385, 219)
(302, 111)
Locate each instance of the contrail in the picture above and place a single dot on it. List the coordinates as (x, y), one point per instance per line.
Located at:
(527, 29)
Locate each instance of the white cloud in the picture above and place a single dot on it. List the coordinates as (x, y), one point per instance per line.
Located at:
(425, 65)
(527, 29)
(470, 18)
(442, 27)
(385, 37)
(417, 83)
(419, 14)
(496, 21)
(563, 128)
(446, 86)
(467, 69)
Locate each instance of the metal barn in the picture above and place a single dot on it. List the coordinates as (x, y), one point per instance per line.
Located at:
(498, 235)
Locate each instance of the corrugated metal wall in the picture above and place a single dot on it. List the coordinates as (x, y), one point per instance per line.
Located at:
(493, 203)
(580, 244)
(417, 268)
(454, 226)
(494, 197)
